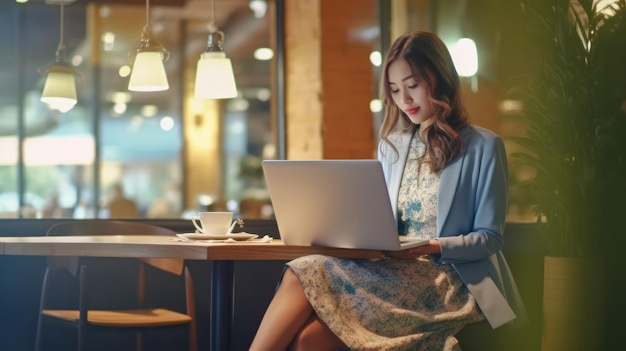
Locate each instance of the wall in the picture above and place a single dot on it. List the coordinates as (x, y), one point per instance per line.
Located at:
(329, 80)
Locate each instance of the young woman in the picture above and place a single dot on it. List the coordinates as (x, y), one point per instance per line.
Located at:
(447, 180)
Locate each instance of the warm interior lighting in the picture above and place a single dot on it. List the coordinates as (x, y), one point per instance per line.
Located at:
(376, 105)
(214, 74)
(263, 54)
(465, 57)
(376, 58)
(258, 7)
(148, 72)
(214, 77)
(59, 91)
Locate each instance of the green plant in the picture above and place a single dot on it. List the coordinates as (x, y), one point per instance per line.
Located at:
(573, 106)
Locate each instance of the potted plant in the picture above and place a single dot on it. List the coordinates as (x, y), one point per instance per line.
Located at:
(573, 142)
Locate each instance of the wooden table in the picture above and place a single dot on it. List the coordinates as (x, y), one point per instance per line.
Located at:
(223, 256)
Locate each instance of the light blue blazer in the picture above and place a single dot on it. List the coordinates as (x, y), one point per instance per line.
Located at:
(471, 211)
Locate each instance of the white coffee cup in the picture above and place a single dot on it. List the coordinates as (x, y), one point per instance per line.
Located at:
(212, 222)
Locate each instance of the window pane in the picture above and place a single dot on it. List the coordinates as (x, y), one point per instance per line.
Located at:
(141, 132)
(68, 164)
(59, 147)
(9, 111)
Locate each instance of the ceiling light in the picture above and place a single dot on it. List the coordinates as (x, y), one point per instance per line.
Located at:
(263, 54)
(120, 97)
(148, 73)
(149, 110)
(376, 105)
(465, 57)
(119, 108)
(263, 94)
(124, 71)
(511, 106)
(108, 41)
(166, 123)
(214, 74)
(258, 7)
(376, 58)
(59, 91)
(77, 60)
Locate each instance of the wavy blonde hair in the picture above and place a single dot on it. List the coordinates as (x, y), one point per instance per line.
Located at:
(430, 60)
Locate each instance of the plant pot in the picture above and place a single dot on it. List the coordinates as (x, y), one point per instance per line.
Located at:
(571, 304)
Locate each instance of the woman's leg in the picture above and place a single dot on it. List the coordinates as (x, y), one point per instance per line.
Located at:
(315, 336)
(290, 321)
(285, 316)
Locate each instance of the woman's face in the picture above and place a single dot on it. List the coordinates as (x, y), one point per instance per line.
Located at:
(409, 92)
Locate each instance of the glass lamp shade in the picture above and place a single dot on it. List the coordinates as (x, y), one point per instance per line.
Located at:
(148, 72)
(59, 91)
(214, 77)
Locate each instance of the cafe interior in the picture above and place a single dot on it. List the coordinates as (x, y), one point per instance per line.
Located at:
(171, 152)
(298, 80)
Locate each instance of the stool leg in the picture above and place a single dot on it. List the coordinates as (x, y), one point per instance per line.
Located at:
(42, 303)
(82, 316)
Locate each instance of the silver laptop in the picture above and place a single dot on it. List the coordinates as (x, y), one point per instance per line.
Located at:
(335, 203)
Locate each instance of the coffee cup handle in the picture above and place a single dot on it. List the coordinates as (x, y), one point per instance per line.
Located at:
(198, 227)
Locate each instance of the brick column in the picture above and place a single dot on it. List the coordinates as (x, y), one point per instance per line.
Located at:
(329, 79)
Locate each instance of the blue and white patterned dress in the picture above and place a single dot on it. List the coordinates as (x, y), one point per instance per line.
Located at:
(393, 304)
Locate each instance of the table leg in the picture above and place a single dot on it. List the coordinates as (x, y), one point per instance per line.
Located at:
(222, 291)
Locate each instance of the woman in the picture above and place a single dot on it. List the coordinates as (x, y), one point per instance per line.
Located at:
(447, 181)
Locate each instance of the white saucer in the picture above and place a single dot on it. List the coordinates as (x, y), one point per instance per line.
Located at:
(234, 236)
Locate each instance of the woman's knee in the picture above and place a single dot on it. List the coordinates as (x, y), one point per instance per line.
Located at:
(305, 340)
(315, 336)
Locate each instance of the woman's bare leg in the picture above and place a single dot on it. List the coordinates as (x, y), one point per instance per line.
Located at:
(284, 317)
(315, 336)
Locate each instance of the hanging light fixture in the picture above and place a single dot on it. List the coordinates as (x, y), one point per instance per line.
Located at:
(59, 91)
(214, 73)
(148, 72)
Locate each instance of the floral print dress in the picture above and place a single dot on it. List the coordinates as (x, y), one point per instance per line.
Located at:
(393, 304)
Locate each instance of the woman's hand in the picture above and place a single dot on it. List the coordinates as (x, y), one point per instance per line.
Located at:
(432, 248)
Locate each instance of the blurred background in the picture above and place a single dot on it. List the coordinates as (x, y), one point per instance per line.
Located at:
(171, 154)
(117, 142)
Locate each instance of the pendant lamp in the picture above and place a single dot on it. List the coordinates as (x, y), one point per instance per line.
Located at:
(148, 72)
(59, 91)
(214, 73)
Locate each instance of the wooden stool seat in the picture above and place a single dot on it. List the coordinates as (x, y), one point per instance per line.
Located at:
(124, 318)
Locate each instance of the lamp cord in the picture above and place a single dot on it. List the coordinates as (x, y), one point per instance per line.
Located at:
(147, 14)
(61, 43)
(212, 25)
